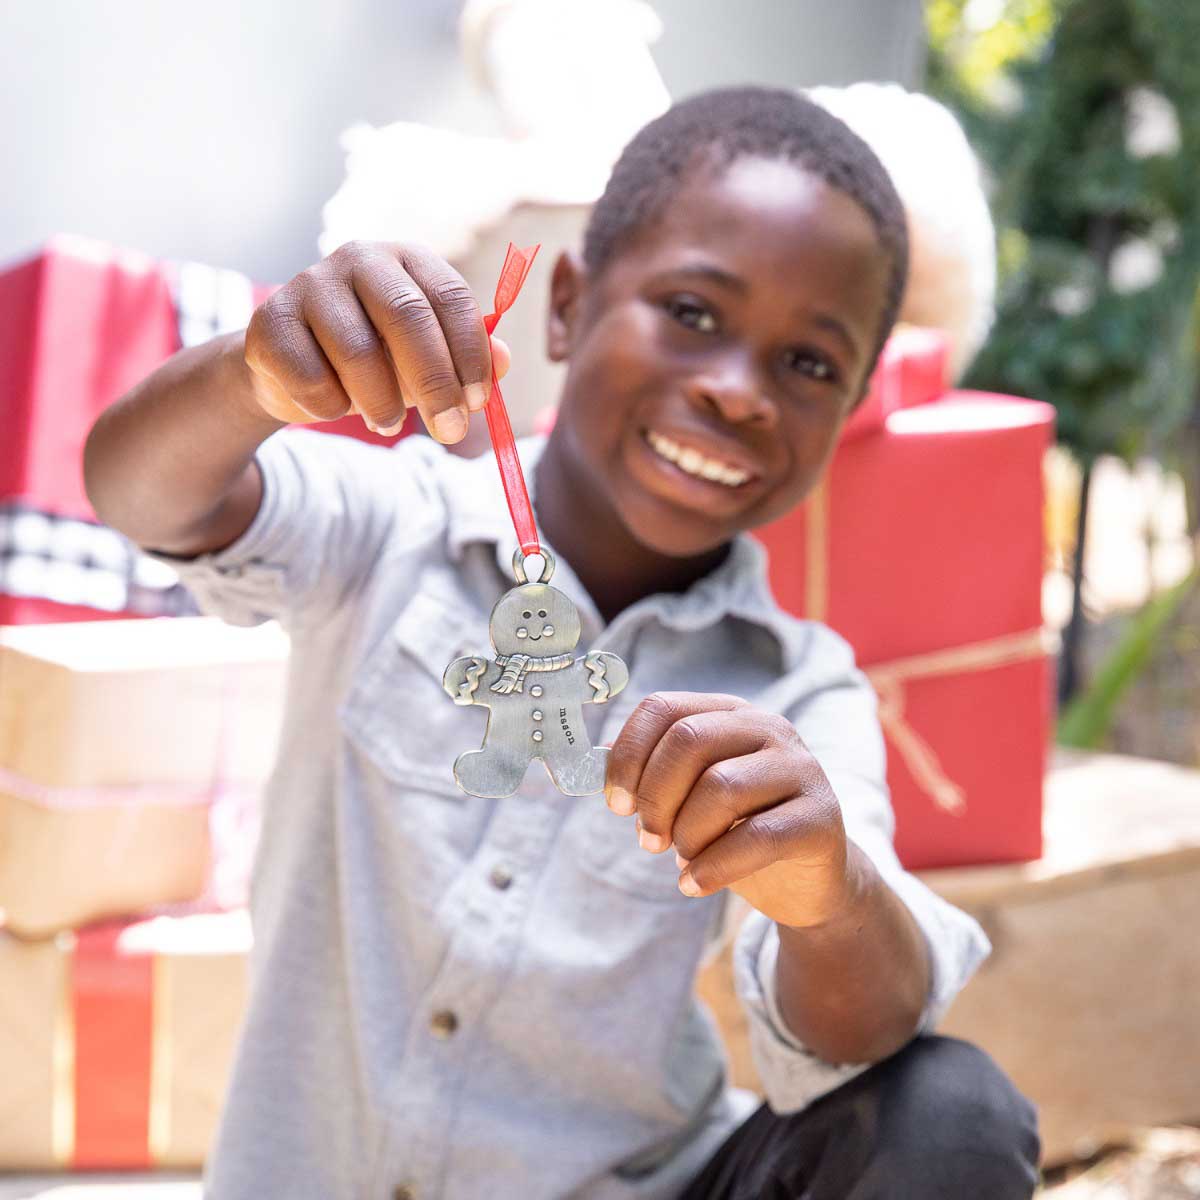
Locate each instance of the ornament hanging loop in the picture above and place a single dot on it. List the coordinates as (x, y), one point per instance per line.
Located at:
(518, 564)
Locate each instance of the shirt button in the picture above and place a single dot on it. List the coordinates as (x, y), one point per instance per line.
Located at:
(537, 714)
(536, 690)
(443, 1024)
(537, 735)
(404, 1192)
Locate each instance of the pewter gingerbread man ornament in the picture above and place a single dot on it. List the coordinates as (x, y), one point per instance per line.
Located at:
(535, 689)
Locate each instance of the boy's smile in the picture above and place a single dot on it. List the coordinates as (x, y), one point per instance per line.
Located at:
(715, 357)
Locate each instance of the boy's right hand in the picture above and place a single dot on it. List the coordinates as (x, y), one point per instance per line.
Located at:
(375, 328)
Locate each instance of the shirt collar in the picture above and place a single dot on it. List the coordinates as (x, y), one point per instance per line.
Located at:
(477, 511)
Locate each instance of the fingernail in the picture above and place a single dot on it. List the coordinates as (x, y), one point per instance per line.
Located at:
(449, 425)
(621, 802)
(477, 395)
(390, 430)
(654, 842)
(687, 885)
(680, 861)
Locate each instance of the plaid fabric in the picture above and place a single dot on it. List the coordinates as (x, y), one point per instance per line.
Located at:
(75, 562)
(209, 301)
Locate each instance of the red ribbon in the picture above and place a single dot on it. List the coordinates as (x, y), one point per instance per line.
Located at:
(113, 1002)
(512, 276)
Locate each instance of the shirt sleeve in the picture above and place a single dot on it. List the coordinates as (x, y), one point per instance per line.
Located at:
(329, 504)
(838, 722)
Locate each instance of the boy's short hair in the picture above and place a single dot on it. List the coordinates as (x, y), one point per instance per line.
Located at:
(709, 132)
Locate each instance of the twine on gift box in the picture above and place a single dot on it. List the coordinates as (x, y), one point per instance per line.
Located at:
(889, 678)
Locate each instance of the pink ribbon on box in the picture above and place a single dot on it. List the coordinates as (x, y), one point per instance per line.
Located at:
(47, 796)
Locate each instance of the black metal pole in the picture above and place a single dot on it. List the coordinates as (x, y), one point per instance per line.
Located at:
(1069, 671)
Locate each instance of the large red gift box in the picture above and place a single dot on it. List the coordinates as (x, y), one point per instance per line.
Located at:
(923, 548)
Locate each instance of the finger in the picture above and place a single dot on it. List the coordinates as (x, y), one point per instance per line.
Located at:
(730, 791)
(405, 320)
(801, 833)
(281, 347)
(461, 320)
(501, 356)
(692, 745)
(641, 733)
(345, 334)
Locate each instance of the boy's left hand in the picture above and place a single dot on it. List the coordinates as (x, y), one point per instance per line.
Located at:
(741, 798)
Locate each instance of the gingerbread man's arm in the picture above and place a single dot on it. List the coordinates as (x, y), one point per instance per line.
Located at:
(466, 679)
(606, 675)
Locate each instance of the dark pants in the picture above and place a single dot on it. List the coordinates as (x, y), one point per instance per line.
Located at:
(937, 1121)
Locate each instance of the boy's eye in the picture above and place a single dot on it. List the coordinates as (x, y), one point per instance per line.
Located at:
(527, 615)
(815, 366)
(692, 313)
(541, 612)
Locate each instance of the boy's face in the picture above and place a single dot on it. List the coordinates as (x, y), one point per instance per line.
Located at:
(713, 361)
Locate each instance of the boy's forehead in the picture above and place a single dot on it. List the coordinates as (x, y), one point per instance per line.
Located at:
(770, 206)
(792, 241)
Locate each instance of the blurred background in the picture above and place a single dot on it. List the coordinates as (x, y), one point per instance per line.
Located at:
(165, 168)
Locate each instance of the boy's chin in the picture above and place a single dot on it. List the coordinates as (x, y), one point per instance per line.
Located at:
(676, 535)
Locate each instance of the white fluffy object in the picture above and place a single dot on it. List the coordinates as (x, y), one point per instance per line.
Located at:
(952, 273)
(572, 82)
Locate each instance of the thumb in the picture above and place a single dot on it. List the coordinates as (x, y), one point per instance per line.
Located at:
(501, 356)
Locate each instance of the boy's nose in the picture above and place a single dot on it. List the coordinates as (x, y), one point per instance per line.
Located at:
(735, 395)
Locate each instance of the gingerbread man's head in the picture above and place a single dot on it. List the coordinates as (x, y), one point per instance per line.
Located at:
(535, 619)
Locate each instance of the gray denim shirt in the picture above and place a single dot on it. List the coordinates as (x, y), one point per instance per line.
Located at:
(491, 999)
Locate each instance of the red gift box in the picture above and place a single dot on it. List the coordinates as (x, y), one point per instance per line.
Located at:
(81, 324)
(911, 371)
(923, 548)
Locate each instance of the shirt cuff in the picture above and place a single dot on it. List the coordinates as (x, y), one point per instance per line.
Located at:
(792, 1075)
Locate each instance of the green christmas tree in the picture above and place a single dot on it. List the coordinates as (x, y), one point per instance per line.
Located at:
(1087, 115)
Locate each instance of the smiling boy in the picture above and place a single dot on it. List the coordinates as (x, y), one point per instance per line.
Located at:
(457, 997)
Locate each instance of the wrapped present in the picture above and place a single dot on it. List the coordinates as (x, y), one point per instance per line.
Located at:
(1105, 1039)
(80, 323)
(911, 371)
(124, 746)
(923, 548)
(117, 1041)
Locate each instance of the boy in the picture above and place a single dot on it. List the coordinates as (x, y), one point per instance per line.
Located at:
(454, 997)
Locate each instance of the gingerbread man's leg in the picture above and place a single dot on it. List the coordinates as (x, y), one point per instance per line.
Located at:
(493, 772)
(578, 770)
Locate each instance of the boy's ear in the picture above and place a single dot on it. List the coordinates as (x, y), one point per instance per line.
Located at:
(566, 293)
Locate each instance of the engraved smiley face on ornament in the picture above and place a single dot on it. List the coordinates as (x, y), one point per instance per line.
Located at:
(535, 619)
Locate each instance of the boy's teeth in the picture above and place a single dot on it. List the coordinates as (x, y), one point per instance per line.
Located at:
(695, 463)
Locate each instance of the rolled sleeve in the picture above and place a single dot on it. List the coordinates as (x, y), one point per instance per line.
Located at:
(838, 723)
(327, 508)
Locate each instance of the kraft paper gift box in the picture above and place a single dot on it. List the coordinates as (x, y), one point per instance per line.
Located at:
(117, 1040)
(121, 743)
(923, 548)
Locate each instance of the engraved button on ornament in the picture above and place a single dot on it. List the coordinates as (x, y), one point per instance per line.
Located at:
(534, 630)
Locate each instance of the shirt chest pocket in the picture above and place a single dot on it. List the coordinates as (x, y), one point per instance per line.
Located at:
(396, 711)
(604, 846)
